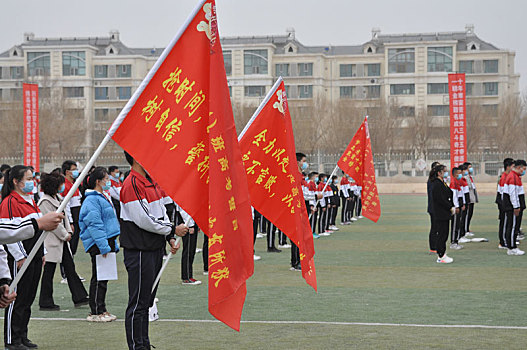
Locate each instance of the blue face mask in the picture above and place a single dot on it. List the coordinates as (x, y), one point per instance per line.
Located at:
(445, 174)
(28, 187)
(62, 188)
(471, 170)
(107, 186)
(306, 178)
(1, 185)
(459, 176)
(75, 174)
(465, 173)
(523, 173)
(305, 166)
(324, 181)
(34, 174)
(316, 179)
(122, 178)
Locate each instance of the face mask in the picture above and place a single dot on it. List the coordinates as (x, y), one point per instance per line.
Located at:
(122, 177)
(307, 178)
(465, 173)
(1, 185)
(305, 165)
(28, 187)
(34, 174)
(458, 176)
(523, 173)
(107, 186)
(324, 181)
(75, 174)
(37, 178)
(445, 174)
(62, 188)
(316, 179)
(471, 170)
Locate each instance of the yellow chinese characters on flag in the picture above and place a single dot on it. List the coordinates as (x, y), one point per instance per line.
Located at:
(357, 162)
(180, 128)
(274, 180)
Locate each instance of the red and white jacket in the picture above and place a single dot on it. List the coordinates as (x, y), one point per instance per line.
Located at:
(74, 202)
(457, 192)
(513, 193)
(115, 189)
(144, 221)
(344, 187)
(312, 192)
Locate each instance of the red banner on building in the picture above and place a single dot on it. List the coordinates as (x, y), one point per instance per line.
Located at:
(268, 145)
(180, 127)
(458, 120)
(31, 135)
(357, 162)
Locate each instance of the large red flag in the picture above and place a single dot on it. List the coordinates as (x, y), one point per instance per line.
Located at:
(357, 162)
(180, 127)
(268, 145)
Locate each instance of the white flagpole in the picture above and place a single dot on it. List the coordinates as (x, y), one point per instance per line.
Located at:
(262, 105)
(107, 138)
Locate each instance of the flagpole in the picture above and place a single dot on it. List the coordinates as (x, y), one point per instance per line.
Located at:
(115, 125)
(261, 106)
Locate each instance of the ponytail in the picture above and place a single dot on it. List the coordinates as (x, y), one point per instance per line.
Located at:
(90, 180)
(15, 173)
(436, 169)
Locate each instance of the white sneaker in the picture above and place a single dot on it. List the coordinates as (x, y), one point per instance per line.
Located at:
(205, 273)
(445, 260)
(501, 246)
(354, 219)
(456, 246)
(360, 217)
(65, 281)
(325, 234)
(255, 258)
(469, 234)
(285, 246)
(113, 317)
(259, 235)
(515, 251)
(334, 228)
(464, 240)
(198, 250)
(93, 318)
(81, 278)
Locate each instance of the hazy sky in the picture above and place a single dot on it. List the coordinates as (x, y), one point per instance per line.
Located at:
(317, 22)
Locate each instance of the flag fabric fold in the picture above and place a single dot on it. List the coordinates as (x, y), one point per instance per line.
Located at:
(180, 128)
(274, 180)
(357, 162)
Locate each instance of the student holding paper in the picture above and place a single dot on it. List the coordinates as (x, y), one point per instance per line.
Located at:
(99, 230)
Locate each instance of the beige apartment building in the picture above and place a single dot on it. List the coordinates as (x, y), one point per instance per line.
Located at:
(94, 77)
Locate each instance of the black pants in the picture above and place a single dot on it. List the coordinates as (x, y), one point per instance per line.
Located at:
(433, 234)
(78, 292)
(97, 291)
(441, 227)
(470, 212)
(271, 229)
(322, 219)
(334, 211)
(359, 205)
(511, 223)
(344, 211)
(313, 219)
(189, 251)
(205, 252)
(18, 313)
(519, 222)
(501, 227)
(142, 267)
(351, 207)
(463, 222)
(74, 243)
(256, 223)
(455, 230)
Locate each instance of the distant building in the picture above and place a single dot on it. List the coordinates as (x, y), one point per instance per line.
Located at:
(96, 76)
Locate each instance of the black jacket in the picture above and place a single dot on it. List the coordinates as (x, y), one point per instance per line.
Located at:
(441, 200)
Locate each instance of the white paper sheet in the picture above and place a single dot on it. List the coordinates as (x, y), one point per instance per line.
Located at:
(106, 267)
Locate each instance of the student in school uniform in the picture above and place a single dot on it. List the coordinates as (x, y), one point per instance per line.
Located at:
(257, 217)
(322, 206)
(189, 248)
(314, 196)
(301, 161)
(513, 201)
(345, 198)
(73, 208)
(507, 167)
(353, 190)
(466, 199)
(473, 196)
(335, 203)
(115, 189)
(459, 205)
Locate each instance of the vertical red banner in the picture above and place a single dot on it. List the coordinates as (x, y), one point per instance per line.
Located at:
(31, 135)
(458, 120)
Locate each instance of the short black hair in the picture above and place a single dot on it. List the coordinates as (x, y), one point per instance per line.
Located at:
(454, 169)
(507, 162)
(463, 167)
(51, 182)
(311, 174)
(129, 158)
(434, 164)
(467, 164)
(67, 165)
(299, 156)
(112, 168)
(4, 167)
(520, 162)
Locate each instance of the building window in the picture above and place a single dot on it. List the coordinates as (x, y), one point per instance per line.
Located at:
(254, 91)
(347, 70)
(124, 70)
(437, 88)
(73, 92)
(438, 110)
(346, 91)
(282, 70)
(490, 66)
(373, 91)
(38, 63)
(491, 89)
(468, 89)
(466, 67)
(125, 92)
(73, 63)
(401, 60)
(402, 89)
(44, 92)
(491, 110)
(254, 62)
(101, 71)
(405, 111)
(440, 59)
(101, 115)
(101, 93)
(374, 69)
(305, 69)
(227, 59)
(16, 72)
(305, 91)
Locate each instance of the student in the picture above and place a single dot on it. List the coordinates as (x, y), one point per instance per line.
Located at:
(115, 189)
(322, 206)
(442, 208)
(513, 201)
(345, 198)
(472, 194)
(257, 217)
(70, 172)
(358, 200)
(18, 203)
(57, 247)
(353, 189)
(466, 199)
(327, 193)
(99, 230)
(189, 248)
(432, 235)
(301, 161)
(507, 167)
(459, 205)
(145, 229)
(314, 196)
(335, 203)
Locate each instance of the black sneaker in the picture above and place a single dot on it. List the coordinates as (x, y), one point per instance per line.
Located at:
(29, 344)
(53, 307)
(15, 347)
(83, 302)
(273, 250)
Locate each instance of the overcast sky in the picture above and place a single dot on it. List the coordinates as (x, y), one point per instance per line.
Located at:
(317, 22)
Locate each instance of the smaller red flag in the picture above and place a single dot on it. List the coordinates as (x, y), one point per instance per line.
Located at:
(31, 135)
(357, 162)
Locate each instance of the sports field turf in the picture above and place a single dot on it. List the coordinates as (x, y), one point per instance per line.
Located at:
(367, 273)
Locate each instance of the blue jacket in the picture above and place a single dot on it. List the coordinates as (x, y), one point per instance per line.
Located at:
(98, 222)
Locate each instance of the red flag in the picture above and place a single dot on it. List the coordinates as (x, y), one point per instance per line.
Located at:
(31, 135)
(458, 122)
(357, 162)
(180, 127)
(268, 145)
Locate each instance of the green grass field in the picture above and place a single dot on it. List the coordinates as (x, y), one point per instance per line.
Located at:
(367, 273)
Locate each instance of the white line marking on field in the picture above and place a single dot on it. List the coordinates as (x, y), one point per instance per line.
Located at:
(314, 323)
